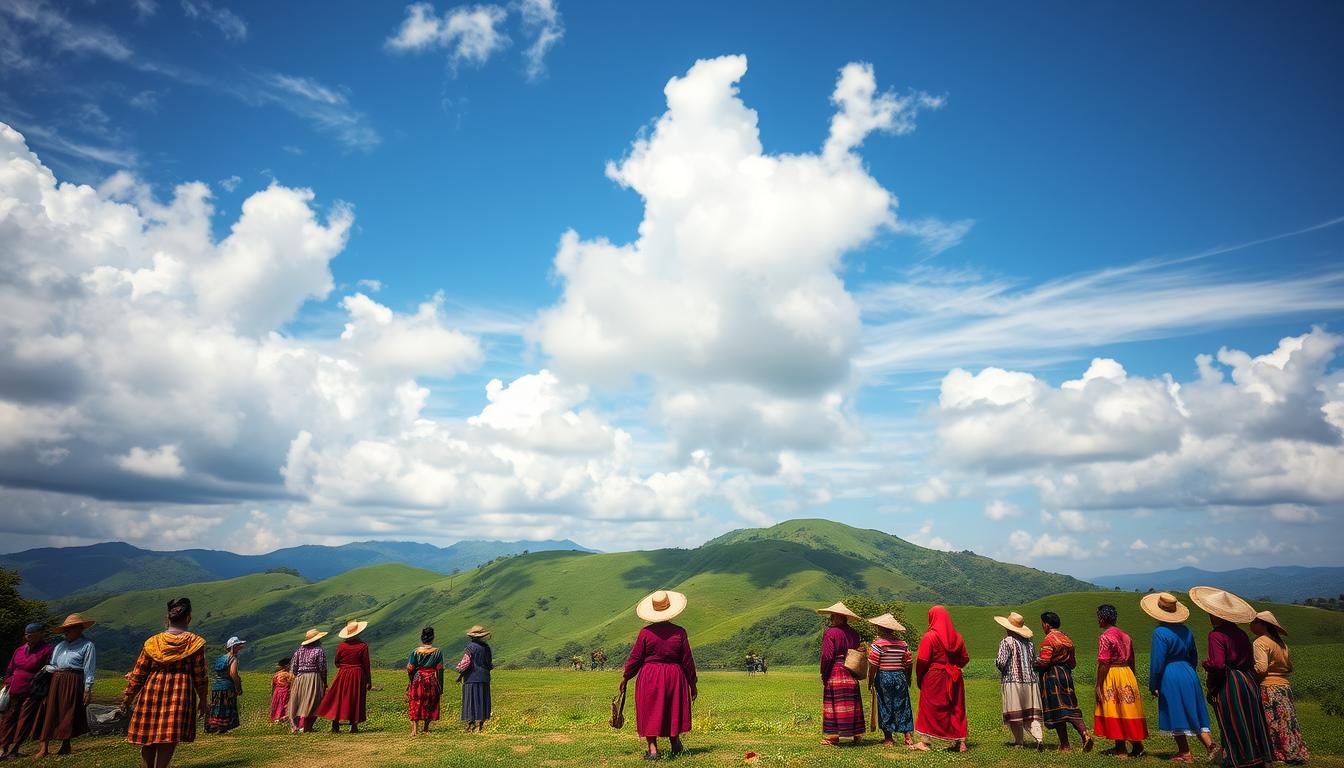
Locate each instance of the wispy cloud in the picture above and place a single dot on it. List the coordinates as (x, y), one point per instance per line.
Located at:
(541, 18)
(25, 22)
(229, 23)
(327, 109)
(53, 140)
(935, 235)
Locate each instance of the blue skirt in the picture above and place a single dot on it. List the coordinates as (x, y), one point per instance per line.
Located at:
(475, 702)
(1180, 702)
(894, 714)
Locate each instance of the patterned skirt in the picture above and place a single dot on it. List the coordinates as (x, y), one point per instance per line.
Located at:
(223, 715)
(841, 704)
(894, 713)
(1119, 713)
(1021, 702)
(1059, 703)
(1281, 721)
(166, 708)
(1241, 721)
(422, 696)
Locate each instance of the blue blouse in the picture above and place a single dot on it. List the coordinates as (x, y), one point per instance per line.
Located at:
(79, 655)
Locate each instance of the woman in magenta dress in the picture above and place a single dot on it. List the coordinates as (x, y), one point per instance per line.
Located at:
(661, 659)
(345, 698)
(841, 699)
(942, 692)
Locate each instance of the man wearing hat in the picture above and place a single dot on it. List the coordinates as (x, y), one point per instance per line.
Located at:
(24, 705)
(1021, 692)
(72, 667)
(841, 700)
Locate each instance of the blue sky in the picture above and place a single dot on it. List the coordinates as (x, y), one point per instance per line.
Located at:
(301, 349)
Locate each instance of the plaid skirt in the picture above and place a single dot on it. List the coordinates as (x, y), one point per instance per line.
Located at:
(1059, 703)
(423, 695)
(1285, 739)
(165, 709)
(841, 704)
(1241, 721)
(223, 716)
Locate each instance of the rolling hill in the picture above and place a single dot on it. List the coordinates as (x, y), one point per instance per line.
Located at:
(1285, 583)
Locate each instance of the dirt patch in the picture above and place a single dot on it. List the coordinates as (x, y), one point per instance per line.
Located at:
(556, 738)
(521, 748)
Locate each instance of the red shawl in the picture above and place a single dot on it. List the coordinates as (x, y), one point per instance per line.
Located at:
(940, 625)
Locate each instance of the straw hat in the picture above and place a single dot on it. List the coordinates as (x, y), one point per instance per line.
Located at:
(1164, 607)
(887, 621)
(1268, 618)
(839, 608)
(1014, 623)
(75, 620)
(663, 605)
(478, 632)
(1223, 604)
(352, 629)
(313, 636)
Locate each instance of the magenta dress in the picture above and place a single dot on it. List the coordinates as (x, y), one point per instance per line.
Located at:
(662, 659)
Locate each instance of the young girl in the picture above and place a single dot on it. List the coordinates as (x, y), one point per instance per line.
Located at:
(280, 681)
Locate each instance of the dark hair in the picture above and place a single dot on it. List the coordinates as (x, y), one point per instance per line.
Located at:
(427, 635)
(1051, 618)
(178, 610)
(284, 662)
(1273, 632)
(1107, 613)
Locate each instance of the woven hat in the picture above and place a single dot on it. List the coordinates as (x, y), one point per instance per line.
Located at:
(839, 608)
(478, 632)
(234, 641)
(1164, 607)
(1268, 618)
(352, 629)
(663, 605)
(313, 636)
(1014, 623)
(75, 620)
(1223, 604)
(887, 621)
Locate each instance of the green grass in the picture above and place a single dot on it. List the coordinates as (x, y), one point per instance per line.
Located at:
(558, 719)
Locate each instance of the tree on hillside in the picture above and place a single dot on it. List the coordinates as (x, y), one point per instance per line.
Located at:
(15, 611)
(870, 608)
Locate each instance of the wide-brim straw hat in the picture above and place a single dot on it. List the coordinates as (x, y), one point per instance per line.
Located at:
(352, 629)
(1268, 618)
(312, 636)
(663, 605)
(1014, 623)
(478, 632)
(75, 620)
(840, 609)
(887, 621)
(1164, 607)
(1223, 604)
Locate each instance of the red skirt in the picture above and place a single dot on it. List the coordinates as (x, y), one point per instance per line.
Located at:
(942, 703)
(422, 696)
(841, 704)
(280, 704)
(344, 701)
(662, 700)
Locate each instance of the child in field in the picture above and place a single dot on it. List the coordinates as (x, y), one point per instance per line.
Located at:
(280, 681)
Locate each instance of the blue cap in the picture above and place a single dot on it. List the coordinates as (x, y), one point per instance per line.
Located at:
(34, 628)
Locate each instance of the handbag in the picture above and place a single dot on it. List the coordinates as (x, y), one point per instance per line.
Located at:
(856, 661)
(618, 709)
(4, 698)
(41, 682)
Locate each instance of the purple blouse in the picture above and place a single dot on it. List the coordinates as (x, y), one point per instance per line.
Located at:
(834, 645)
(309, 658)
(25, 663)
(1229, 648)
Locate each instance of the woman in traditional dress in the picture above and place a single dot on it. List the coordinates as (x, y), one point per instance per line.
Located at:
(473, 670)
(1119, 712)
(1020, 690)
(1181, 710)
(225, 688)
(308, 665)
(1059, 701)
(664, 669)
(346, 698)
(889, 665)
(1233, 691)
(281, 679)
(425, 688)
(841, 698)
(73, 664)
(942, 692)
(1273, 668)
(16, 723)
(165, 691)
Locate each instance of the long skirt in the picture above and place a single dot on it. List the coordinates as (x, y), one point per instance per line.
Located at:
(1281, 722)
(1181, 709)
(662, 700)
(64, 715)
(1022, 706)
(942, 703)
(17, 721)
(279, 704)
(1241, 721)
(166, 708)
(223, 714)
(423, 695)
(1119, 713)
(841, 704)
(1059, 702)
(345, 700)
(305, 694)
(475, 702)
(894, 713)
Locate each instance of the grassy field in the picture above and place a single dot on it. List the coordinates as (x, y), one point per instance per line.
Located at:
(558, 718)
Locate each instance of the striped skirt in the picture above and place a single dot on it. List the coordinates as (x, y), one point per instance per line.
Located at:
(1241, 721)
(841, 704)
(223, 714)
(1285, 739)
(1059, 703)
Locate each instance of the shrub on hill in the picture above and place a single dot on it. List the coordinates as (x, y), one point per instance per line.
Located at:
(16, 611)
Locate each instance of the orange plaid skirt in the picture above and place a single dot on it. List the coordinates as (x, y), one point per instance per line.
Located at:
(166, 708)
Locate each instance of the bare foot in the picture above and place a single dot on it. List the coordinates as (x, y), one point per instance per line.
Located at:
(920, 746)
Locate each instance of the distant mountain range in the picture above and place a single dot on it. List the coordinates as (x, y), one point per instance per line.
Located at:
(101, 570)
(1284, 583)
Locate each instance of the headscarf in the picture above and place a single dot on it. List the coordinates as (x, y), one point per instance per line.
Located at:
(940, 624)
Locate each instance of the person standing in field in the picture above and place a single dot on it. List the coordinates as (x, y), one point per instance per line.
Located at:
(225, 689)
(281, 679)
(1181, 710)
(942, 692)
(308, 665)
(664, 669)
(1233, 691)
(24, 704)
(841, 699)
(73, 666)
(1119, 711)
(1059, 701)
(889, 665)
(474, 671)
(424, 690)
(346, 699)
(1021, 692)
(165, 691)
(1273, 668)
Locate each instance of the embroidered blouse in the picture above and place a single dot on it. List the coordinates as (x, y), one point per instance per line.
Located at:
(309, 658)
(1015, 660)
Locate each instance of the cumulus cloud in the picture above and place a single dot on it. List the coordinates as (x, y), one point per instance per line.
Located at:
(160, 462)
(1047, 545)
(999, 509)
(471, 34)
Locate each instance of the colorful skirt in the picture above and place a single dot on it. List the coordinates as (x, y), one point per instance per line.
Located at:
(1059, 702)
(894, 713)
(841, 704)
(1281, 722)
(1021, 703)
(423, 695)
(1241, 721)
(1119, 712)
(475, 702)
(223, 714)
(63, 715)
(279, 704)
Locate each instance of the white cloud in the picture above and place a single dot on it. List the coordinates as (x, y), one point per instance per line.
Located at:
(229, 24)
(935, 235)
(925, 538)
(1139, 545)
(231, 183)
(1046, 545)
(406, 345)
(1295, 513)
(472, 34)
(999, 509)
(162, 462)
(542, 19)
(328, 109)
(37, 24)
(932, 490)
